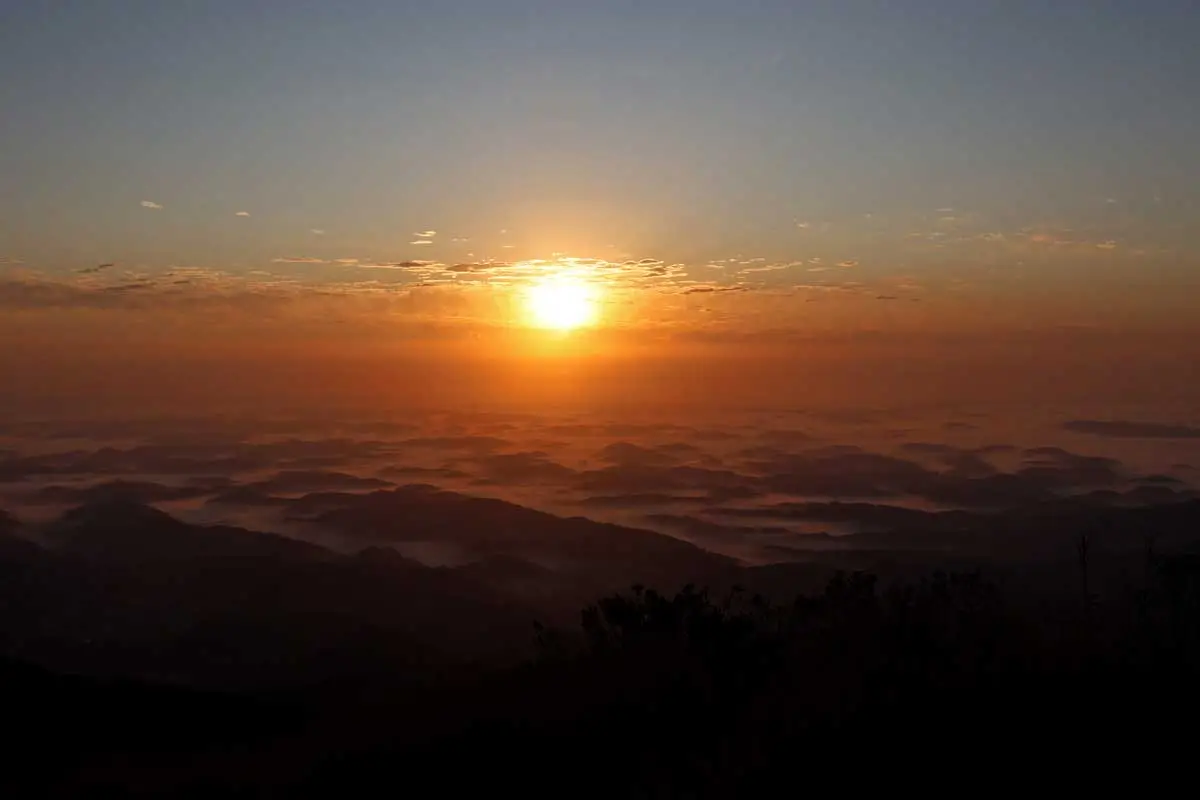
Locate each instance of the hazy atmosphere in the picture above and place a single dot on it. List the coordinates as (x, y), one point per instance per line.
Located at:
(341, 343)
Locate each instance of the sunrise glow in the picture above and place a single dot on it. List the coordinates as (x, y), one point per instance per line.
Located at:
(561, 304)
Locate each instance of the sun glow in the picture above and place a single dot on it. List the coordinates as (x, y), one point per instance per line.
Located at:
(561, 304)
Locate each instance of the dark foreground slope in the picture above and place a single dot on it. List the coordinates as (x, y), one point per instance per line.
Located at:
(676, 696)
(147, 656)
(119, 588)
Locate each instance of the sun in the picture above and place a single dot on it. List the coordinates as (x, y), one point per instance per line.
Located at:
(560, 304)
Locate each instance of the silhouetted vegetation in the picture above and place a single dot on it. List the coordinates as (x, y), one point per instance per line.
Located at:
(690, 694)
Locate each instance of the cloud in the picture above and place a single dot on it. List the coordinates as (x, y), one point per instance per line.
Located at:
(421, 241)
(151, 204)
(95, 269)
(258, 297)
(45, 294)
(412, 264)
(1125, 429)
(639, 478)
(129, 287)
(848, 263)
(531, 467)
(1066, 239)
(139, 491)
(298, 481)
(963, 480)
(711, 288)
(241, 213)
(476, 444)
(299, 260)
(645, 499)
(614, 469)
(425, 234)
(394, 471)
(1044, 238)
(771, 267)
(318, 231)
(630, 273)
(469, 266)
(630, 454)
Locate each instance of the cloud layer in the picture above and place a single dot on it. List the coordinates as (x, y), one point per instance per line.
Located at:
(752, 492)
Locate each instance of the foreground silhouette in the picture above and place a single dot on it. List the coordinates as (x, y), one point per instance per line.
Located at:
(691, 694)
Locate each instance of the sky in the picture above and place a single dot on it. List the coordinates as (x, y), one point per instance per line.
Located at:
(767, 202)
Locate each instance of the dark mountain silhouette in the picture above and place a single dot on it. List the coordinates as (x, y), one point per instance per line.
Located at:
(14, 549)
(242, 661)
(138, 491)
(127, 589)
(1127, 429)
(488, 527)
(246, 496)
(125, 530)
(692, 693)
(1020, 533)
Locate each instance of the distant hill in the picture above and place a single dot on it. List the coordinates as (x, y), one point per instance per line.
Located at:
(125, 589)
(485, 527)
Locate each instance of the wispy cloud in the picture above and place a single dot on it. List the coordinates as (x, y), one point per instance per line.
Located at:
(413, 264)
(318, 231)
(129, 287)
(1109, 245)
(425, 234)
(151, 204)
(421, 241)
(299, 260)
(848, 263)
(95, 269)
(713, 288)
(629, 273)
(770, 267)
(241, 213)
(466, 267)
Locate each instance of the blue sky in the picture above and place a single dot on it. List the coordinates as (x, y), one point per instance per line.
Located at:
(685, 131)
